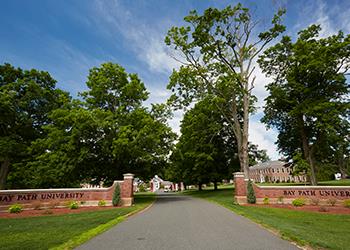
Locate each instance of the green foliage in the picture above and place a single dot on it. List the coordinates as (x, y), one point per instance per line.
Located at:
(116, 195)
(251, 199)
(26, 99)
(142, 188)
(347, 203)
(218, 65)
(73, 205)
(308, 102)
(102, 203)
(205, 151)
(103, 136)
(15, 208)
(299, 202)
(266, 201)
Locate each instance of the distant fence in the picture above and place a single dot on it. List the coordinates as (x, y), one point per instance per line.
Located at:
(286, 194)
(49, 198)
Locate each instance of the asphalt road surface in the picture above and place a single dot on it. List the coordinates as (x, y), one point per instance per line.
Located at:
(182, 222)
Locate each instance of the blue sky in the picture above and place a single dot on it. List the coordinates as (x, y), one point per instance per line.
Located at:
(68, 37)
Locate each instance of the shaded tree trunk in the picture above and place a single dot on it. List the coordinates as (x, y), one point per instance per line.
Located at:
(199, 186)
(4, 171)
(215, 185)
(308, 153)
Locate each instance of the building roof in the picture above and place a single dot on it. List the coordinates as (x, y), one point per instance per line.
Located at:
(269, 164)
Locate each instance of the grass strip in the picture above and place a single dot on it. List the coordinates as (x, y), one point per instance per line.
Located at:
(64, 231)
(320, 231)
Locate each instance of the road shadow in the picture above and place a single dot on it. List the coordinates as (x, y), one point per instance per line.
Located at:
(171, 197)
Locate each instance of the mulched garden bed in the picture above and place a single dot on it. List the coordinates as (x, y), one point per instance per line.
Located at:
(310, 208)
(52, 211)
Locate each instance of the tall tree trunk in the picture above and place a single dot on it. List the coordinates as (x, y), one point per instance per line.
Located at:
(341, 162)
(215, 185)
(308, 152)
(245, 161)
(4, 171)
(199, 186)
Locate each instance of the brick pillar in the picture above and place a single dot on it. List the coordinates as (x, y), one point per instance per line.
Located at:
(240, 188)
(128, 190)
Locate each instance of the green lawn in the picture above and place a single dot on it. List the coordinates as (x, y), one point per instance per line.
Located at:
(318, 230)
(344, 182)
(70, 229)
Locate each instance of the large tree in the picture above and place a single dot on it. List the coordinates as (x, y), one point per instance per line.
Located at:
(26, 98)
(206, 151)
(105, 135)
(308, 101)
(220, 48)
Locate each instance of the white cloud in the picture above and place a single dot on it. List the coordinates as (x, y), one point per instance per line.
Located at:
(332, 18)
(263, 138)
(146, 41)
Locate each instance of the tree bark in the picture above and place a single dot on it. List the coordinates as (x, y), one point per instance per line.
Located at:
(308, 153)
(4, 171)
(199, 186)
(215, 185)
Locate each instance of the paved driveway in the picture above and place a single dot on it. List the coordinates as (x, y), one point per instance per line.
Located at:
(183, 222)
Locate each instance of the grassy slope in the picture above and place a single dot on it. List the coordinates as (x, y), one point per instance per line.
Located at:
(306, 228)
(50, 231)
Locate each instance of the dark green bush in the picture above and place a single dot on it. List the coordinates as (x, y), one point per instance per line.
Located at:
(116, 195)
(250, 193)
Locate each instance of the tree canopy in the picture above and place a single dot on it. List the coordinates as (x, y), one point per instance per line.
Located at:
(99, 138)
(26, 99)
(309, 95)
(217, 51)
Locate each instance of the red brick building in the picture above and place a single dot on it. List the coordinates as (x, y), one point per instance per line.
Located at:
(274, 171)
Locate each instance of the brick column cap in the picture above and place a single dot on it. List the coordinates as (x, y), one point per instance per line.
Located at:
(238, 174)
(128, 176)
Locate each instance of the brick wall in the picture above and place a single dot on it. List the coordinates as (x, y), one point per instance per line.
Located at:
(286, 194)
(35, 198)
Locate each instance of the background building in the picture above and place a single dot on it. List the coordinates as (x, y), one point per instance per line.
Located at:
(274, 171)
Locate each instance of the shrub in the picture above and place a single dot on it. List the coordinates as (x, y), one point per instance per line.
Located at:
(142, 188)
(251, 195)
(298, 202)
(102, 203)
(332, 201)
(323, 209)
(73, 205)
(280, 199)
(315, 201)
(266, 200)
(116, 196)
(15, 209)
(347, 203)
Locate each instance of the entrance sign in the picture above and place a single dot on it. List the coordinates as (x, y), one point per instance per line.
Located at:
(289, 193)
(43, 198)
